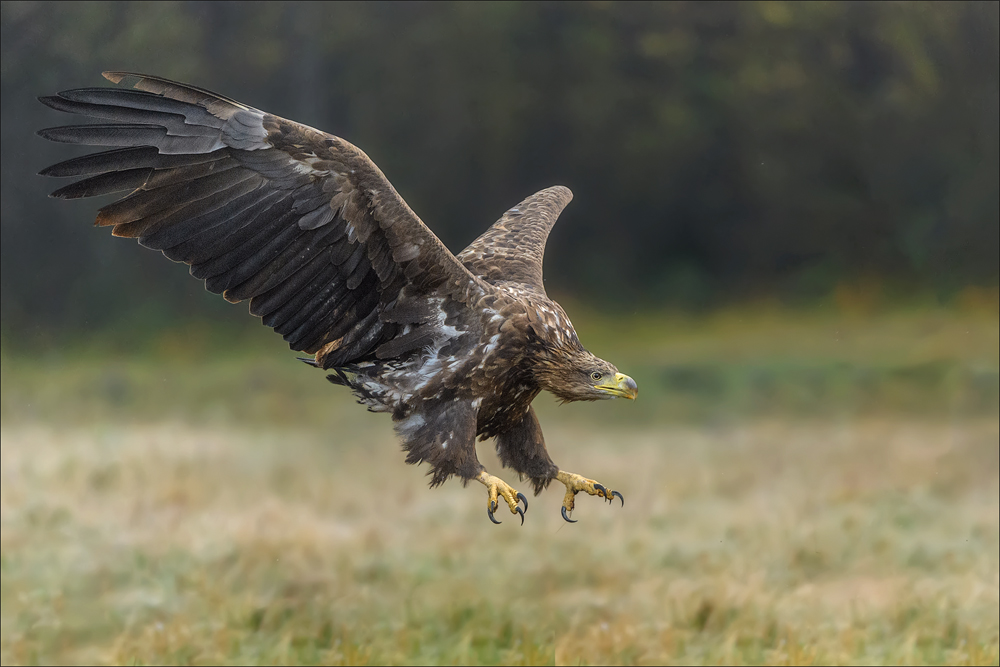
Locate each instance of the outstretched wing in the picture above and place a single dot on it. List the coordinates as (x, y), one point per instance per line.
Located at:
(300, 222)
(513, 247)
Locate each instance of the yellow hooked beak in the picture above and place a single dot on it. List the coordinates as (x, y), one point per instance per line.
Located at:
(622, 385)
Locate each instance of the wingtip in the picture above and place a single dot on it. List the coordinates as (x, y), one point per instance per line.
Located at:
(563, 191)
(51, 101)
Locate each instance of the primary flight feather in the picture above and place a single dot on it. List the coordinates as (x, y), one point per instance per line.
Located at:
(305, 226)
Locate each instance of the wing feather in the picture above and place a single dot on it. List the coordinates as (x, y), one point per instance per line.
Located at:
(265, 228)
(202, 235)
(167, 230)
(296, 316)
(118, 159)
(298, 254)
(115, 104)
(142, 109)
(105, 184)
(241, 268)
(284, 289)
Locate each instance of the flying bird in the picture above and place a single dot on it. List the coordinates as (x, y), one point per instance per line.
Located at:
(307, 228)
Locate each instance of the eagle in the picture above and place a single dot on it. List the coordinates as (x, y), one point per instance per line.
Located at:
(307, 228)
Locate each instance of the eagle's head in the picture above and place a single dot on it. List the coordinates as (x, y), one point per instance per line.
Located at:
(577, 375)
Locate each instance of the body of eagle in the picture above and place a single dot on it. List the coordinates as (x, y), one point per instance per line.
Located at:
(306, 227)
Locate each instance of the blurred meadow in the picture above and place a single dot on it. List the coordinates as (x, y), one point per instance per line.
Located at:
(800, 488)
(800, 204)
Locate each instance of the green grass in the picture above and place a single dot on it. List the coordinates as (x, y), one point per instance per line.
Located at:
(199, 504)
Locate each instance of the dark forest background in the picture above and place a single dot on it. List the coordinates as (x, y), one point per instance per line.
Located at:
(717, 151)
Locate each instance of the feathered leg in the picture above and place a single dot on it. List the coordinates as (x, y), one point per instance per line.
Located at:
(523, 449)
(443, 433)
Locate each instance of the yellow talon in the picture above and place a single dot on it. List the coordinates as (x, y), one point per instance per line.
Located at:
(576, 483)
(497, 488)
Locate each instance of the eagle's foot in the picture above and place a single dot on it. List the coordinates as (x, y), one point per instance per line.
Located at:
(577, 483)
(497, 489)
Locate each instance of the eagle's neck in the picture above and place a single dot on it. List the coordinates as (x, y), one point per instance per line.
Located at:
(556, 369)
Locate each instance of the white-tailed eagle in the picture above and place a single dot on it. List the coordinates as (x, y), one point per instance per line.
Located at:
(306, 227)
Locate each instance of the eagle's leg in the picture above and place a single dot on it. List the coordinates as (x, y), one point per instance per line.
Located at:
(522, 448)
(497, 488)
(577, 483)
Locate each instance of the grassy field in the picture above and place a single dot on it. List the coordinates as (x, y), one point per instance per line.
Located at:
(799, 489)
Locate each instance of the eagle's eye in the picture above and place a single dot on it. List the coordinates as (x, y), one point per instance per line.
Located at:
(595, 376)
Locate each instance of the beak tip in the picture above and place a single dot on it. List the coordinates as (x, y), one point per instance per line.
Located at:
(622, 386)
(631, 388)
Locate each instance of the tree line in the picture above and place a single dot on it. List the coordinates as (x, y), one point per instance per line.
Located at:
(717, 150)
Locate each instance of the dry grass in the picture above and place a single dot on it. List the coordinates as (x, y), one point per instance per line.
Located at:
(148, 517)
(767, 542)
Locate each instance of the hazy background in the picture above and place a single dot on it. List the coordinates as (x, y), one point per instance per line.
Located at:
(785, 228)
(718, 151)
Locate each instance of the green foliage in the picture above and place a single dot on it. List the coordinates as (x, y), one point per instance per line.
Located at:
(716, 150)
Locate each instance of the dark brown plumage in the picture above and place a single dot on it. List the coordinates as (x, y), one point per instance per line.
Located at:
(308, 229)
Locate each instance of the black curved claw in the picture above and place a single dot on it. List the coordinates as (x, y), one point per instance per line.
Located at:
(615, 494)
(566, 517)
(604, 491)
(521, 512)
(520, 496)
(489, 513)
